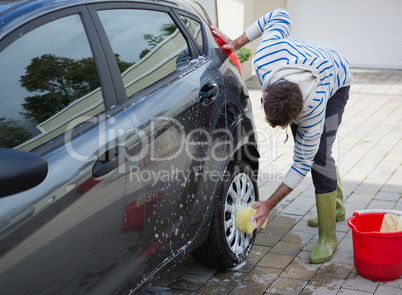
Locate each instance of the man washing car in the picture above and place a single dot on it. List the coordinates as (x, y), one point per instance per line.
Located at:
(305, 86)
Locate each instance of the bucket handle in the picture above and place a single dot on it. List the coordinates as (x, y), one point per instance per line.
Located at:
(396, 212)
(356, 213)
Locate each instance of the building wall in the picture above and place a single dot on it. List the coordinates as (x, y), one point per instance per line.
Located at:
(367, 32)
(210, 7)
(234, 16)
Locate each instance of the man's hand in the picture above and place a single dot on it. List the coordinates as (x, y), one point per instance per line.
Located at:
(229, 44)
(263, 210)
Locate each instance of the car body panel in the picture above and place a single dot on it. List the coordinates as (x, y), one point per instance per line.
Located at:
(96, 225)
(66, 220)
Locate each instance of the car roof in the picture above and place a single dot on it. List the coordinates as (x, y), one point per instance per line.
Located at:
(18, 12)
(4, 5)
(12, 4)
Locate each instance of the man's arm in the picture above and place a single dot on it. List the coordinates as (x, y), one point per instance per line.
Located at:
(230, 44)
(263, 208)
(277, 23)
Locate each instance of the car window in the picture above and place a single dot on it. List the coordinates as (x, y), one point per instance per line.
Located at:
(195, 30)
(48, 78)
(147, 45)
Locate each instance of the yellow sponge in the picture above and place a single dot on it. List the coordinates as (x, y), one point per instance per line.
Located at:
(245, 219)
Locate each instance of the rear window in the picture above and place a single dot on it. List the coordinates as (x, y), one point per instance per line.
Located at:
(148, 46)
(195, 29)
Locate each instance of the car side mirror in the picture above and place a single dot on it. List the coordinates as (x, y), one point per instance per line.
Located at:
(20, 171)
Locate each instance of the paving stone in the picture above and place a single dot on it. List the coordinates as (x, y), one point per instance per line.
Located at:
(255, 256)
(395, 283)
(342, 226)
(225, 277)
(322, 285)
(302, 225)
(282, 223)
(384, 290)
(267, 239)
(177, 271)
(249, 288)
(164, 281)
(299, 206)
(345, 242)
(286, 286)
(368, 187)
(352, 292)
(276, 260)
(300, 267)
(202, 270)
(287, 248)
(343, 257)
(246, 266)
(303, 258)
(356, 282)
(212, 289)
(164, 290)
(384, 196)
(348, 187)
(263, 275)
(298, 272)
(335, 270)
(379, 204)
(259, 251)
(300, 237)
(190, 282)
(398, 205)
(357, 202)
(222, 282)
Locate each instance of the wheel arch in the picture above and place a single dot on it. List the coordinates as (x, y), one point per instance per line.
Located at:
(247, 152)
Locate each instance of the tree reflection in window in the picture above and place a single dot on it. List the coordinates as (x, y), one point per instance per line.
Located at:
(48, 79)
(153, 40)
(56, 82)
(11, 133)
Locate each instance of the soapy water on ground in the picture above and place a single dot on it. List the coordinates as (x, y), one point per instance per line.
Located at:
(238, 266)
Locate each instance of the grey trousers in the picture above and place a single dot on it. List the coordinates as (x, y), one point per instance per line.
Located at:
(324, 169)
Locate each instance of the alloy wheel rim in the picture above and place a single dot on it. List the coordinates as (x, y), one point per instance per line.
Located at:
(240, 193)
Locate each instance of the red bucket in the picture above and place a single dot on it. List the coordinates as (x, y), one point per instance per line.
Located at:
(377, 255)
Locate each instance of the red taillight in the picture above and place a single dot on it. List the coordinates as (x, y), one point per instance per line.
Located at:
(231, 54)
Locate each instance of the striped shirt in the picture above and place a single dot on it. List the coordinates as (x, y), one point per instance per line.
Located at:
(318, 69)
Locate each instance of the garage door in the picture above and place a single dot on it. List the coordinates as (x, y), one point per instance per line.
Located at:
(367, 32)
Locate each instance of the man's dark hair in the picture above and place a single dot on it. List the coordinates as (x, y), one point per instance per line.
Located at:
(283, 103)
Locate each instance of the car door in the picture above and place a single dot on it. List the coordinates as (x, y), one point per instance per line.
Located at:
(174, 96)
(67, 234)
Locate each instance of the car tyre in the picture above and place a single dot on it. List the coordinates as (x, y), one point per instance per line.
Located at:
(226, 246)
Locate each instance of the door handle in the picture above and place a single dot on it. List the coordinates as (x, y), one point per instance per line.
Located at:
(109, 161)
(208, 93)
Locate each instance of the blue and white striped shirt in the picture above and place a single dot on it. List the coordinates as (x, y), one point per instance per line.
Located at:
(318, 69)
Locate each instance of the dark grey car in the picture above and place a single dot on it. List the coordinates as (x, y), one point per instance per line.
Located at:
(126, 143)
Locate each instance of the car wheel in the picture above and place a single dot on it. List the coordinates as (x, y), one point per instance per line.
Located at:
(226, 246)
